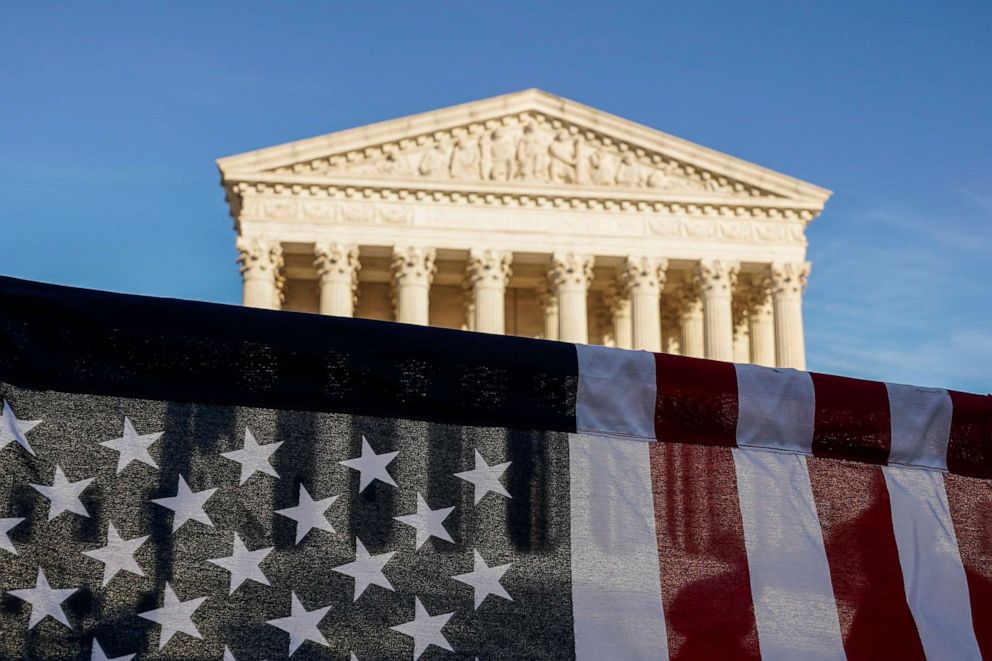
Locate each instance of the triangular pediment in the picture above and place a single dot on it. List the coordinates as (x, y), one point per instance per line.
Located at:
(529, 139)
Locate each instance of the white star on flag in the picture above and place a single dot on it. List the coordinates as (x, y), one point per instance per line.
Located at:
(64, 495)
(425, 629)
(174, 616)
(366, 569)
(243, 564)
(254, 458)
(5, 526)
(117, 555)
(428, 522)
(371, 466)
(485, 580)
(12, 429)
(309, 514)
(485, 477)
(44, 600)
(301, 624)
(187, 504)
(97, 654)
(132, 446)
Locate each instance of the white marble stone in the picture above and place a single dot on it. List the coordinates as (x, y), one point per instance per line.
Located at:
(393, 220)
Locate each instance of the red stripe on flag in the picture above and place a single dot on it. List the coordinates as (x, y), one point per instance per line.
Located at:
(705, 582)
(970, 502)
(697, 401)
(852, 419)
(969, 449)
(852, 502)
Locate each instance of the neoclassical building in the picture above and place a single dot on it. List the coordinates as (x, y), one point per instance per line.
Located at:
(533, 215)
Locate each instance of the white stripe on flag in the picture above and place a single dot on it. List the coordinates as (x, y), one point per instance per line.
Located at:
(616, 393)
(616, 582)
(776, 408)
(794, 606)
(936, 586)
(921, 425)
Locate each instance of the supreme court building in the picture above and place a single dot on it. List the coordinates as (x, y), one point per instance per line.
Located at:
(530, 214)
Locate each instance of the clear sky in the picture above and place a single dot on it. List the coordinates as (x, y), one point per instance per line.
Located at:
(111, 117)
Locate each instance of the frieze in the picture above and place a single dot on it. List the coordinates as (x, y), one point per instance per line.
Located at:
(277, 202)
(324, 210)
(745, 228)
(747, 231)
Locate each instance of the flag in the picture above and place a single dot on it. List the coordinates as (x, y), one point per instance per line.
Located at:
(184, 480)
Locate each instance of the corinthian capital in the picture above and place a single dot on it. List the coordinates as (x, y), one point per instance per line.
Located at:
(413, 265)
(258, 257)
(687, 298)
(546, 298)
(337, 261)
(570, 270)
(644, 274)
(716, 276)
(789, 278)
(489, 268)
(617, 300)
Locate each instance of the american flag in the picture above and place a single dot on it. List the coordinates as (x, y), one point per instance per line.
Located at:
(191, 481)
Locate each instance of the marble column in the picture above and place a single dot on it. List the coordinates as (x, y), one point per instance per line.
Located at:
(488, 275)
(570, 276)
(716, 282)
(413, 273)
(260, 261)
(549, 305)
(761, 323)
(788, 283)
(644, 278)
(691, 338)
(337, 265)
(671, 325)
(617, 300)
(742, 346)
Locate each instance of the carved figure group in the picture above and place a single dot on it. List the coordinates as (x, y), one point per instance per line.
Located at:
(532, 153)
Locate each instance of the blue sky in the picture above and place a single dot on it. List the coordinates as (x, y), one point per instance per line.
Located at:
(111, 117)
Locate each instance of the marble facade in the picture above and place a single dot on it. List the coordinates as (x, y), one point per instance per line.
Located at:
(532, 215)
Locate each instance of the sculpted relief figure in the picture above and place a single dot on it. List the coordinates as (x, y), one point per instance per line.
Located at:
(465, 159)
(434, 162)
(501, 151)
(562, 152)
(584, 155)
(532, 155)
(629, 172)
(602, 167)
(395, 165)
(531, 152)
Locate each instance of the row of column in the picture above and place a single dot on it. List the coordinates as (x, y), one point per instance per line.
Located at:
(708, 307)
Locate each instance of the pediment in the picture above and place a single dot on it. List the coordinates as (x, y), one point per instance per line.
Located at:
(529, 139)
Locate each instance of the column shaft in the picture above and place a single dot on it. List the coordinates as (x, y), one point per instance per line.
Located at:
(644, 278)
(549, 305)
(337, 265)
(413, 273)
(717, 279)
(570, 276)
(488, 275)
(623, 325)
(693, 342)
(739, 306)
(788, 282)
(260, 261)
(761, 325)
